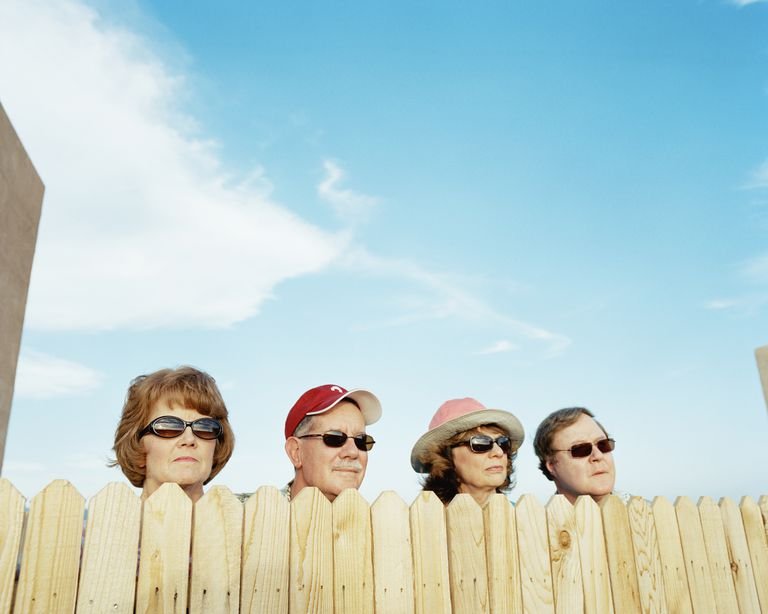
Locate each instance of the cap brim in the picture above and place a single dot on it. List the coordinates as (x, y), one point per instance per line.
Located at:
(369, 405)
(505, 420)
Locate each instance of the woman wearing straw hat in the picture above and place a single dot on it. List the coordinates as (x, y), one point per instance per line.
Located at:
(468, 449)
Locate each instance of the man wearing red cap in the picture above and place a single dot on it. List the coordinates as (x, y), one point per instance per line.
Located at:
(325, 438)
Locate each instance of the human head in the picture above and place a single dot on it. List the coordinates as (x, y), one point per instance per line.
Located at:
(186, 388)
(439, 451)
(592, 475)
(320, 410)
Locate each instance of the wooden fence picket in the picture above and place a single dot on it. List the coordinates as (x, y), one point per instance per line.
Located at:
(466, 556)
(650, 580)
(11, 526)
(266, 553)
(741, 564)
(51, 552)
(352, 556)
(533, 548)
(166, 530)
(217, 539)
(564, 556)
(717, 555)
(110, 551)
(673, 566)
(392, 555)
(758, 547)
(595, 576)
(695, 552)
(504, 590)
(763, 503)
(621, 556)
(430, 555)
(311, 579)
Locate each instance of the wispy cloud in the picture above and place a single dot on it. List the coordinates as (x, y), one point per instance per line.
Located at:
(42, 376)
(759, 177)
(349, 206)
(746, 2)
(721, 304)
(141, 227)
(498, 347)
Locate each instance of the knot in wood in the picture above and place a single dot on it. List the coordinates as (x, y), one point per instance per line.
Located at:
(565, 539)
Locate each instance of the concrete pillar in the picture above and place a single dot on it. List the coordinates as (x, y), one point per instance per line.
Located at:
(761, 354)
(21, 198)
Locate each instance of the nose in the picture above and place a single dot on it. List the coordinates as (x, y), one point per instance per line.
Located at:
(596, 453)
(496, 450)
(349, 449)
(188, 438)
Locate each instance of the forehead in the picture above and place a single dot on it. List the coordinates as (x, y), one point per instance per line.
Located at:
(584, 429)
(344, 417)
(171, 407)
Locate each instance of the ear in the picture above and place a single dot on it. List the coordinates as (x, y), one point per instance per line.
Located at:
(551, 467)
(293, 451)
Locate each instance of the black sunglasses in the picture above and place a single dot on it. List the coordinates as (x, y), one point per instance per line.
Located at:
(484, 443)
(169, 427)
(336, 439)
(582, 450)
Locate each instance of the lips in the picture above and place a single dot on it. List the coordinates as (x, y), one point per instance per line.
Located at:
(184, 459)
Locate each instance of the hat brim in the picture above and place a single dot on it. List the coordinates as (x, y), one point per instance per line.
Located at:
(505, 420)
(369, 405)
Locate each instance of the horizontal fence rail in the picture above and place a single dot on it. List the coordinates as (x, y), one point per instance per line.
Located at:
(271, 556)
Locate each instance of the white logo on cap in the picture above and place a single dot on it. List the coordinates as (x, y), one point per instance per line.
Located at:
(337, 389)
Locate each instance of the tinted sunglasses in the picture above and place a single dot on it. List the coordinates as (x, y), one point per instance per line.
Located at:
(336, 439)
(169, 427)
(582, 450)
(484, 443)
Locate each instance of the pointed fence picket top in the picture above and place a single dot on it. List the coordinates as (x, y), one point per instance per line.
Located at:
(718, 556)
(763, 503)
(673, 567)
(564, 555)
(647, 560)
(504, 591)
(432, 590)
(311, 579)
(392, 556)
(466, 556)
(352, 556)
(51, 553)
(741, 564)
(266, 553)
(217, 539)
(11, 525)
(754, 530)
(695, 552)
(621, 555)
(533, 548)
(108, 568)
(166, 529)
(595, 576)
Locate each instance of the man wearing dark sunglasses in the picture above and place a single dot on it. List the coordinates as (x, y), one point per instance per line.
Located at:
(575, 452)
(325, 439)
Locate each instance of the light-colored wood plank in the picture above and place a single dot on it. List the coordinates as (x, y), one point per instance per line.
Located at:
(650, 580)
(533, 547)
(166, 529)
(11, 527)
(695, 552)
(738, 551)
(595, 576)
(311, 580)
(266, 553)
(110, 553)
(392, 557)
(504, 590)
(621, 555)
(466, 556)
(352, 556)
(717, 554)
(762, 502)
(430, 555)
(758, 547)
(673, 566)
(564, 556)
(217, 540)
(761, 356)
(51, 554)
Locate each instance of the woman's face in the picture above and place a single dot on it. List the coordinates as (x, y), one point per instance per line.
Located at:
(481, 472)
(186, 460)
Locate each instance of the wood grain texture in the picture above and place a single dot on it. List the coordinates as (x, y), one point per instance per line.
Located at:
(695, 552)
(466, 556)
(392, 556)
(11, 525)
(564, 556)
(504, 590)
(717, 554)
(352, 554)
(533, 547)
(738, 550)
(758, 547)
(673, 566)
(650, 580)
(595, 576)
(430, 555)
(621, 556)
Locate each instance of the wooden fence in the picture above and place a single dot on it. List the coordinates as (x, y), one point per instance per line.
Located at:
(272, 556)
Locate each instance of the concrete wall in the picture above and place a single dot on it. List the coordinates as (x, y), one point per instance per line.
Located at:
(21, 198)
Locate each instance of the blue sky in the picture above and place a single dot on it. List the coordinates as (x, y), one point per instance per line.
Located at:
(537, 205)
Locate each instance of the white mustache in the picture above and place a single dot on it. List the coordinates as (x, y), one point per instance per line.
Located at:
(346, 465)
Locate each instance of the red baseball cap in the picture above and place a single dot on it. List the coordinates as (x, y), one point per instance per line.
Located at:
(320, 399)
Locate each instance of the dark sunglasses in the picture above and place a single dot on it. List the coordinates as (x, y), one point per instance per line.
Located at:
(582, 450)
(169, 427)
(336, 439)
(484, 443)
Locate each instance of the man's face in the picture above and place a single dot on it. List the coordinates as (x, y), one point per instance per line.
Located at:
(592, 475)
(330, 469)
